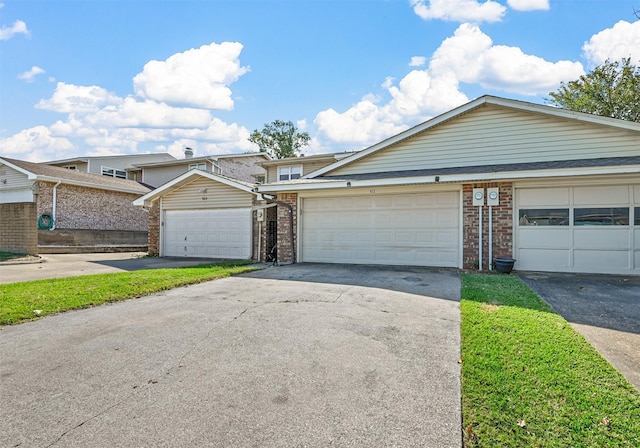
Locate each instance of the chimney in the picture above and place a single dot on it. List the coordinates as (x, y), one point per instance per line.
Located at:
(188, 153)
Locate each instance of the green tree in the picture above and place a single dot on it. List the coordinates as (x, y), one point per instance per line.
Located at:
(280, 139)
(610, 90)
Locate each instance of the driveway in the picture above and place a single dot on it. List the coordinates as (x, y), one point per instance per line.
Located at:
(300, 355)
(605, 309)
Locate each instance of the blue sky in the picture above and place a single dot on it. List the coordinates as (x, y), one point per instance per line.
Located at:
(99, 77)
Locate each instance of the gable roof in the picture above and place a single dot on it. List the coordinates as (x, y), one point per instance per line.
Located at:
(190, 160)
(471, 106)
(49, 173)
(188, 177)
(164, 156)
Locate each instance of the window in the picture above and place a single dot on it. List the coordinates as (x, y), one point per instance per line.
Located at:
(112, 172)
(544, 217)
(289, 172)
(198, 166)
(636, 213)
(70, 167)
(601, 216)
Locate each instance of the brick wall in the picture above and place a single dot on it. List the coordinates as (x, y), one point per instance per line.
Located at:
(502, 225)
(19, 228)
(89, 208)
(285, 244)
(154, 228)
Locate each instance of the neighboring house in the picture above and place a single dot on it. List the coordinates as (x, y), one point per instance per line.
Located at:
(295, 167)
(120, 166)
(76, 208)
(567, 188)
(244, 167)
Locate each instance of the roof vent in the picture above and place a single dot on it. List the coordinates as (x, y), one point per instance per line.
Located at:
(188, 153)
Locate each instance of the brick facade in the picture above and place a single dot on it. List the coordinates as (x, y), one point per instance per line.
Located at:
(502, 225)
(287, 218)
(19, 228)
(154, 229)
(90, 208)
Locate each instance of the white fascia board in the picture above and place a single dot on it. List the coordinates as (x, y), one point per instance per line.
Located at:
(29, 174)
(148, 198)
(452, 178)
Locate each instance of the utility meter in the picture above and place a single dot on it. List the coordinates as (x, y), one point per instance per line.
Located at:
(478, 197)
(493, 197)
(260, 215)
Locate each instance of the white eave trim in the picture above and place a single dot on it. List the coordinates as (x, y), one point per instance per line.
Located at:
(29, 174)
(451, 178)
(148, 198)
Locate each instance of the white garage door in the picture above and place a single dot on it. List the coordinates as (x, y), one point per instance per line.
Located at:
(403, 229)
(593, 229)
(219, 233)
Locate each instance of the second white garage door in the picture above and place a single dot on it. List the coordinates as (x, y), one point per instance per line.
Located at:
(421, 229)
(217, 233)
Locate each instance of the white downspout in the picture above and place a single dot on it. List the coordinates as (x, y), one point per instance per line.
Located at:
(53, 206)
(480, 238)
(490, 238)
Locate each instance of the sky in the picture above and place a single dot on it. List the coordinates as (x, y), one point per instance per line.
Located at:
(107, 77)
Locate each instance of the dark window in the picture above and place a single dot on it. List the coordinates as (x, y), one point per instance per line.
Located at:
(601, 216)
(636, 213)
(544, 217)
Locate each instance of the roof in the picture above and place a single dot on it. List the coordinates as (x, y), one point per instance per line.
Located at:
(187, 178)
(49, 173)
(191, 160)
(472, 105)
(164, 155)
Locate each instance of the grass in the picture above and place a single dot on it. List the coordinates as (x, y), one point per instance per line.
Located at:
(20, 302)
(528, 379)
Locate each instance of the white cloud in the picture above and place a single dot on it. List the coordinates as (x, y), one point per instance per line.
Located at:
(69, 98)
(459, 10)
(528, 5)
(30, 75)
(471, 55)
(18, 27)
(197, 77)
(468, 56)
(36, 144)
(620, 41)
(417, 61)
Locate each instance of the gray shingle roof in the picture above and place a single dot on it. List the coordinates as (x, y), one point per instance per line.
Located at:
(99, 181)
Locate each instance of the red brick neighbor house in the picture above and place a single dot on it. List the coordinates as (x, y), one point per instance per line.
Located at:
(554, 189)
(45, 209)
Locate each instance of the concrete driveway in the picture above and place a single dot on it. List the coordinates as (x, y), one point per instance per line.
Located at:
(300, 355)
(605, 309)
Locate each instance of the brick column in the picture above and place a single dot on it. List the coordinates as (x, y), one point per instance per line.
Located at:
(502, 225)
(286, 219)
(154, 229)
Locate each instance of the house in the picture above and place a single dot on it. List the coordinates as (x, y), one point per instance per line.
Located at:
(45, 209)
(120, 166)
(244, 167)
(296, 167)
(202, 213)
(556, 189)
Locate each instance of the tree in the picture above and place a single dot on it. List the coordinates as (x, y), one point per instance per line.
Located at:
(280, 139)
(610, 90)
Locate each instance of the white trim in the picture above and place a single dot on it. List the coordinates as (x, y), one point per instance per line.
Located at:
(289, 168)
(487, 99)
(29, 174)
(458, 178)
(146, 200)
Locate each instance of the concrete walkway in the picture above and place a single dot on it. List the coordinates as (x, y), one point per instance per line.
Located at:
(301, 355)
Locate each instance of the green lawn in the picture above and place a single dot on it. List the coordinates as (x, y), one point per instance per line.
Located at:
(24, 301)
(529, 380)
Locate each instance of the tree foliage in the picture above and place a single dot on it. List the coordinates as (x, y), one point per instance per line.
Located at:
(280, 139)
(610, 90)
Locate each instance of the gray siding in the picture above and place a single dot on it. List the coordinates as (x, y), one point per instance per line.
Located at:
(217, 195)
(15, 180)
(160, 175)
(496, 135)
(307, 167)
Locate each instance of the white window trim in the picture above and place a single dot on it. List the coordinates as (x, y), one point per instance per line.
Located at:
(198, 166)
(288, 172)
(113, 172)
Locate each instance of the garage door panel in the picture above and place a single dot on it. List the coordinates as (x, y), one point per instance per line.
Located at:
(608, 261)
(543, 197)
(552, 259)
(599, 195)
(601, 238)
(216, 233)
(409, 229)
(552, 238)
